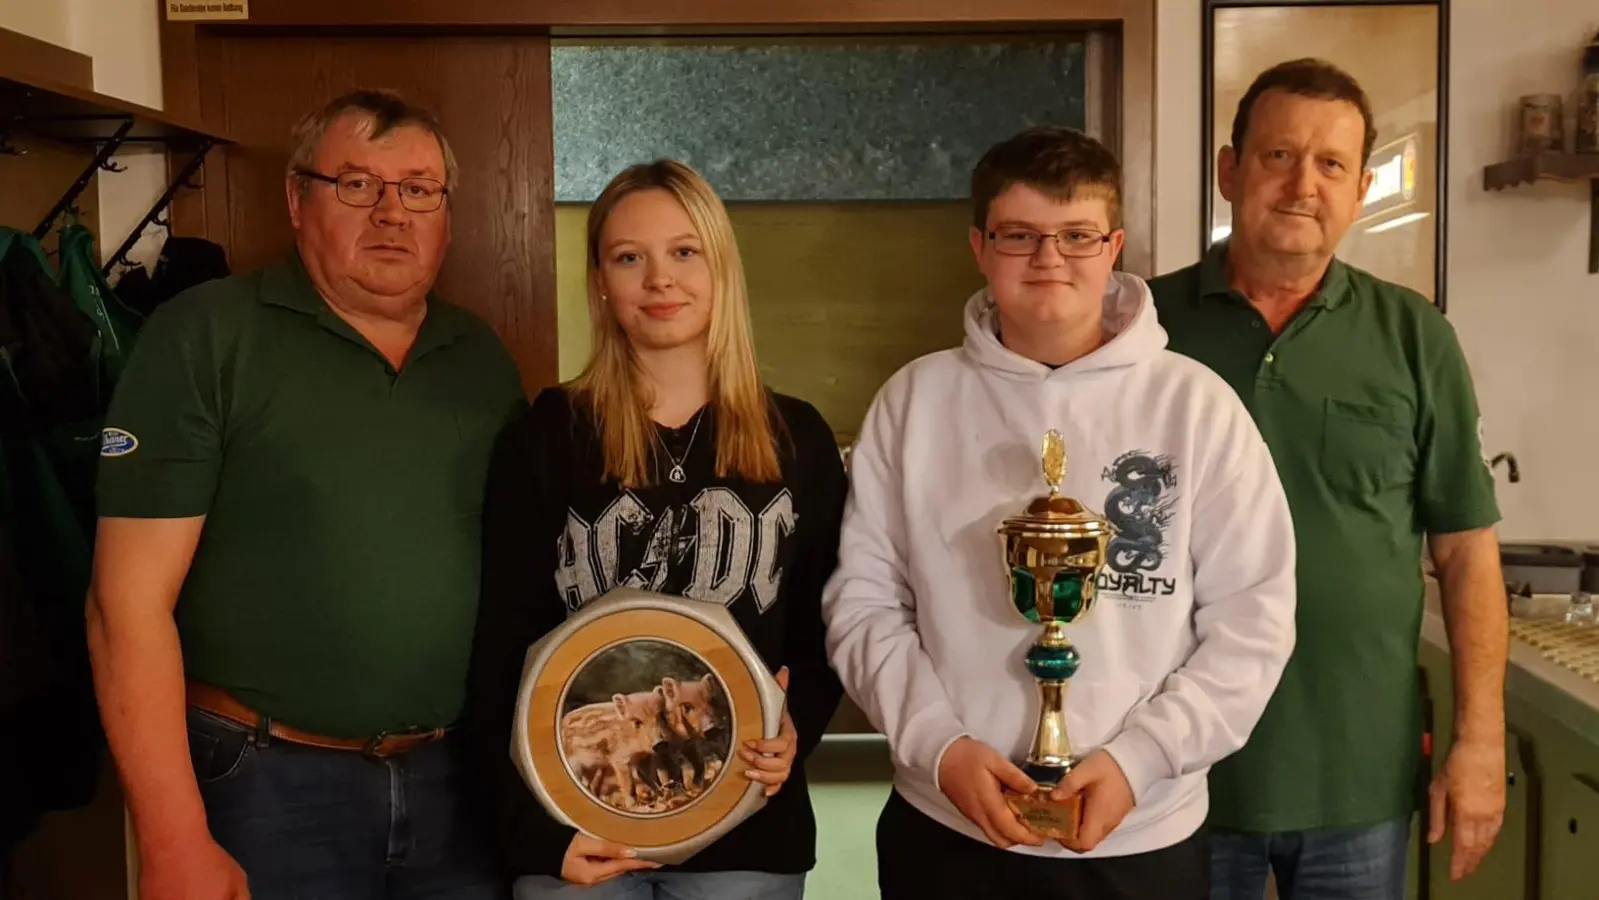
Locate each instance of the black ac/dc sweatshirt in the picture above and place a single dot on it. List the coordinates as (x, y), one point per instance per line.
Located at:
(546, 477)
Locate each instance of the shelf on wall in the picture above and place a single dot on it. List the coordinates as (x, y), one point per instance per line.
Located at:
(1564, 167)
(1541, 167)
(60, 112)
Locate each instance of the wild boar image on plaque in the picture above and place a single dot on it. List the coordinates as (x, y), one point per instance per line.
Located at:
(643, 727)
(630, 716)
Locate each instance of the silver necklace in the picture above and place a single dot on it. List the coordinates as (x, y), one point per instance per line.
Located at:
(675, 474)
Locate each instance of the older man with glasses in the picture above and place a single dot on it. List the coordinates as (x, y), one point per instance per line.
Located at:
(286, 571)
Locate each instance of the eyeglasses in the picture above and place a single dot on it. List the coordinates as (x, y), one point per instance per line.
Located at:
(364, 189)
(1076, 242)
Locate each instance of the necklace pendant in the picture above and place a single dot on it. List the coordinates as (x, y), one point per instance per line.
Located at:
(676, 474)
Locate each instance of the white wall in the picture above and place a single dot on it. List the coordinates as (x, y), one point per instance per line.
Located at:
(123, 39)
(1178, 153)
(1519, 295)
(45, 21)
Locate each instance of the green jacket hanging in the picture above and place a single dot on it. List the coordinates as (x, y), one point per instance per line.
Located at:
(49, 419)
(80, 277)
(50, 743)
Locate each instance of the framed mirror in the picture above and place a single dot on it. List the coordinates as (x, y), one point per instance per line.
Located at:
(1398, 51)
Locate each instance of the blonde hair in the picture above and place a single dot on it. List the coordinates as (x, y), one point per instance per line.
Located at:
(746, 443)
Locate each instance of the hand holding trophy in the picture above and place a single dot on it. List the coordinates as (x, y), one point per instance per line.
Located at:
(1053, 554)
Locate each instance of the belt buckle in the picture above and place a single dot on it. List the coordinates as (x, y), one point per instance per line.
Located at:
(378, 746)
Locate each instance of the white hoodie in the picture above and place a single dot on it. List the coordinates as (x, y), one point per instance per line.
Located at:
(1194, 618)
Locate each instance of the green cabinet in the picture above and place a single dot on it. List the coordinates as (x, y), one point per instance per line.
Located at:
(1548, 847)
(1571, 837)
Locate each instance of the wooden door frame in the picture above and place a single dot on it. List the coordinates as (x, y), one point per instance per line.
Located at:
(184, 46)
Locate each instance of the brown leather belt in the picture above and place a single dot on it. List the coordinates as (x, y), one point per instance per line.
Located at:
(220, 703)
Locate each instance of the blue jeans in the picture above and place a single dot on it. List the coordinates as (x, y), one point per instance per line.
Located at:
(312, 824)
(1363, 863)
(668, 886)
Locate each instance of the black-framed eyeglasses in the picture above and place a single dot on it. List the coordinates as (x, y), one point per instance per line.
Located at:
(365, 190)
(1075, 242)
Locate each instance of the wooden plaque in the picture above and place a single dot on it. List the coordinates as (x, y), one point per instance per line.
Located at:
(630, 717)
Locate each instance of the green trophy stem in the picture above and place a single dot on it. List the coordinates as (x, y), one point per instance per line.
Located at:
(1052, 660)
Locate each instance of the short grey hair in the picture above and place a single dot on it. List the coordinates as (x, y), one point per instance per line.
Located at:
(379, 112)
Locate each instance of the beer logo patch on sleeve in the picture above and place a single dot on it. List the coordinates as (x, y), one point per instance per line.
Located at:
(117, 442)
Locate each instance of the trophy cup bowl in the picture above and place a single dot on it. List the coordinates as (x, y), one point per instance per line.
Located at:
(1053, 554)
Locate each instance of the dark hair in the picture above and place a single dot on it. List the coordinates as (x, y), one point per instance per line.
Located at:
(1060, 162)
(1307, 77)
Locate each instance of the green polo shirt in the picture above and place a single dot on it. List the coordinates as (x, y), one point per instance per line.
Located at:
(336, 580)
(1367, 405)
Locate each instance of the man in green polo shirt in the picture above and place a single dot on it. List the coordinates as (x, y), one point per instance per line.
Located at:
(286, 571)
(1364, 397)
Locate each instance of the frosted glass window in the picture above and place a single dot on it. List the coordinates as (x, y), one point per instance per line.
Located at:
(882, 120)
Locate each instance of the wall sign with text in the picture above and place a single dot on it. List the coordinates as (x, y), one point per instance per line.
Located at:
(207, 10)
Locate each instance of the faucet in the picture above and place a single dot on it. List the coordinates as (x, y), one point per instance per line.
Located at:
(1510, 460)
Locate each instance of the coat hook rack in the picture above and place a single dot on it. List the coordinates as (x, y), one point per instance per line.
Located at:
(70, 116)
(156, 215)
(70, 198)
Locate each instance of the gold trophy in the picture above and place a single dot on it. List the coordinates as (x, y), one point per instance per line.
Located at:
(1053, 553)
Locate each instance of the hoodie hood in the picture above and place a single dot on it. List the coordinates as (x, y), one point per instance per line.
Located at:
(1133, 334)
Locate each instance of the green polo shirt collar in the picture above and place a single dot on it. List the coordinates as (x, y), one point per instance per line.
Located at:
(1214, 281)
(289, 285)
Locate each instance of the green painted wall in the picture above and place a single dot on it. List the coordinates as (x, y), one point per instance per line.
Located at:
(841, 295)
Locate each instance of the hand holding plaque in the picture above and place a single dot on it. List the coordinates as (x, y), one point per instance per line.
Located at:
(1053, 554)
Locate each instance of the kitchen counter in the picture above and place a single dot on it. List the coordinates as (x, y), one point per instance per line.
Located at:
(1549, 842)
(1532, 678)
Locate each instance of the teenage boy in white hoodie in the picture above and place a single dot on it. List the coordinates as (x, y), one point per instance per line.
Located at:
(1194, 617)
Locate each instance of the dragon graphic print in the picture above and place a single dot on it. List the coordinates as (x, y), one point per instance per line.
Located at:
(1140, 508)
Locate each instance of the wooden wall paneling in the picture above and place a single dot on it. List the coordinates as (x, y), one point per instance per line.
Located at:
(649, 13)
(530, 328)
(492, 96)
(212, 203)
(1136, 135)
(180, 94)
(37, 179)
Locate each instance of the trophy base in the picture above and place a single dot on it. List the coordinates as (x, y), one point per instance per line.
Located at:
(1055, 819)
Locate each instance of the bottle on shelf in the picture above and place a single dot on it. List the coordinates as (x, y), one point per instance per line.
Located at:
(1587, 137)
